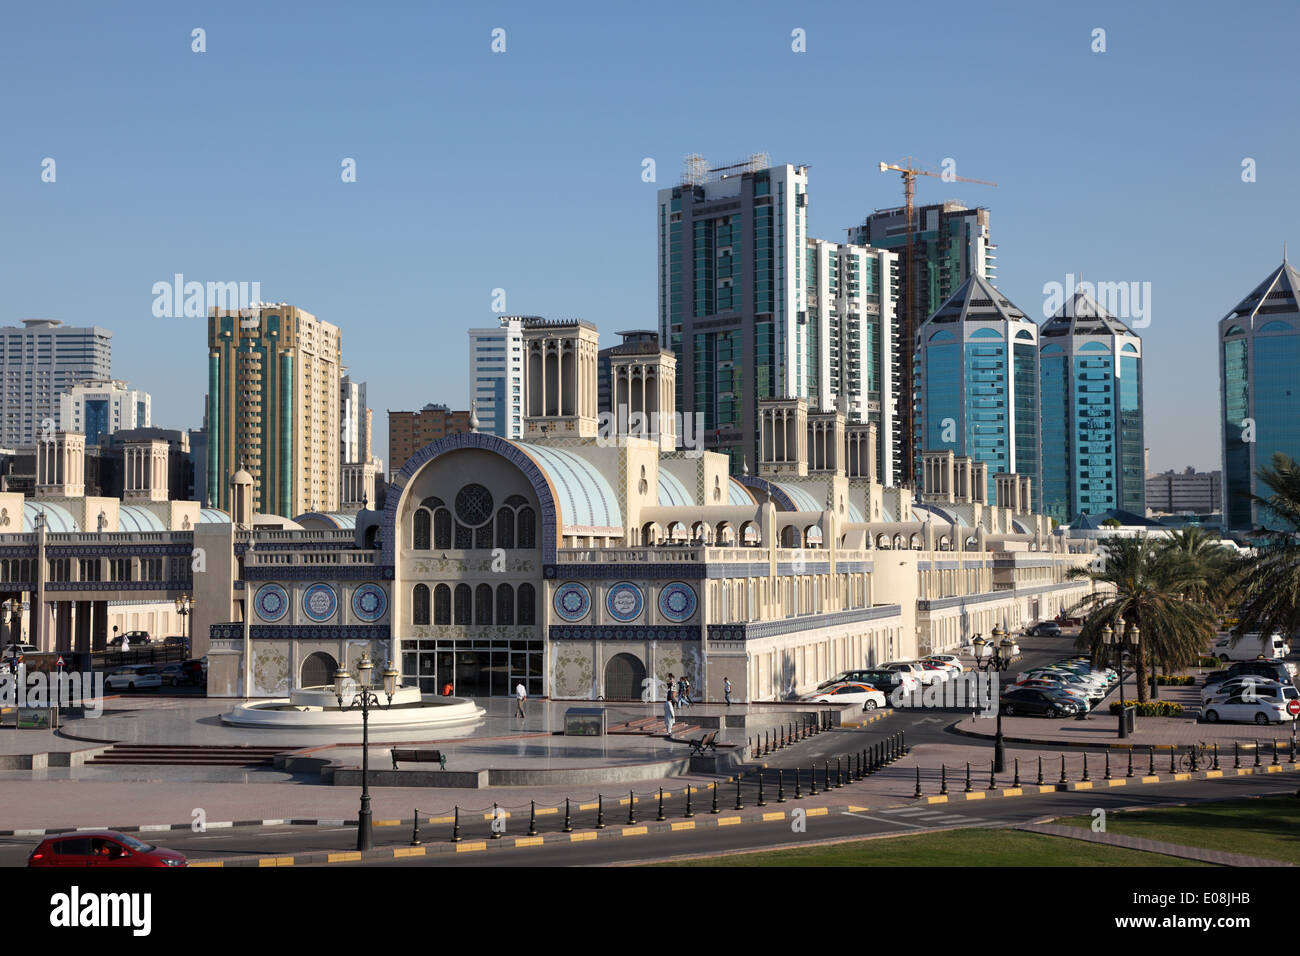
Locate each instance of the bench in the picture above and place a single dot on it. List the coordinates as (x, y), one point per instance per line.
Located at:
(707, 742)
(420, 756)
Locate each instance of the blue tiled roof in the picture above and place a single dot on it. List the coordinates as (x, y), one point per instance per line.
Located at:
(736, 493)
(342, 521)
(802, 500)
(584, 496)
(854, 514)
(57, 518)
(672, 492)
(135, 518)
(213, 516)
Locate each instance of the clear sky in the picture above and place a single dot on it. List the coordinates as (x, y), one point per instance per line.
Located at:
(522, 170)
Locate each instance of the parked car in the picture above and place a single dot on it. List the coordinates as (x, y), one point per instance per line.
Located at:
(1262, 710)
(177, 640)
(1251, 646)
(137, 639)
(1048, 683)
(1279, 671)
(19, 650)
(1248, 686)
(134, 677)
(1038, 702)
(912, 668)
(938, 672)
(951, 661)
(101, 848)
(869, 697)
(1044, 629)
(175, 675)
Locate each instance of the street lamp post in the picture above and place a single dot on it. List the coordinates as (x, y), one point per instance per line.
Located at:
(995, 656)
(1118, 640)
(183, 604)
(365, 697)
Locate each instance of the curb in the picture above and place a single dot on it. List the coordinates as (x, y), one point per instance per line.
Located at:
(1045, 742)
(702, 821)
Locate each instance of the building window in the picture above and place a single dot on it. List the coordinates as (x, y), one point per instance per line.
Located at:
(442, 528)
(422, 536)
(483, 604)
(420, 604)
(463, 598)
(527, 537)
(442, 604)
(505, 604)
(527, 604)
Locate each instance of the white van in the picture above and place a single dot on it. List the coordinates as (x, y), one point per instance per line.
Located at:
(1251, 646)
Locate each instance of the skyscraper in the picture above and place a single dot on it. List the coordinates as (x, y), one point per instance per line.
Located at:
(273, 407)
(1259, 354)
(977, 383)
(496, 365)
(40, 362)
(733, 294)
(1090, 375)
(97, 409)
(354, 422)
(855, 343)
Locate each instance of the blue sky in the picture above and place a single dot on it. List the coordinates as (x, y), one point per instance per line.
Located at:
(522, 170)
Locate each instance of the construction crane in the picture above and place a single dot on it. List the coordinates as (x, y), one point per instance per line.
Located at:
(910, 325)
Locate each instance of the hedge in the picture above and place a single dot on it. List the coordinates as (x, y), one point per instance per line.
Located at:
(1152, 708)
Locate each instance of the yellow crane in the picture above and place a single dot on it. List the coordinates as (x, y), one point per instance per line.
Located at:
(910, 324)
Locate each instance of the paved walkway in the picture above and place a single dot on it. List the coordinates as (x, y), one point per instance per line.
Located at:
(1151, 846)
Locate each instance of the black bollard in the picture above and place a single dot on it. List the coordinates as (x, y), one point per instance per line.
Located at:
(1257, 753)
(1107, 776)
(1016, 781)
(943, 780)
(661, 804)
(1085, 768)
(968, 786)
(600, 812)
(1216, 755)
(1172, 768)
(761, 801)
(812, 789)
(797, 794)
(827, 788)
(1130, 763)
(1195, 752)
(739, 805)
(715, 797)
(532, 818)
(1236, 756)
(689, 813)
(1274, 751)
(902, 739)
(1151, 770)
(780, 785)
(767, 744)
(993, 780)
(631, 808)
(918, 793)
(455, 827)
(415, 831)
(1063, 777)
(568, 821)
(495, 834)
(1040, 771)
(839, 772)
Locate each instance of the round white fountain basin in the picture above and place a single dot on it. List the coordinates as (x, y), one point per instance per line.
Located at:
(316, 708)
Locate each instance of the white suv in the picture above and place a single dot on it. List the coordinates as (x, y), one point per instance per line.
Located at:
(913, 669)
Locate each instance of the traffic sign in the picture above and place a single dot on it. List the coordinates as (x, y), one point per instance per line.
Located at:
(1293, 708)
(59, 662)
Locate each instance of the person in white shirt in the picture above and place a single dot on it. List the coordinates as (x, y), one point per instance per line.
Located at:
(521, 695)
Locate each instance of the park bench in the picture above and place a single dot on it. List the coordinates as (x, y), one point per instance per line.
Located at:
(420, 756)
(707, 742)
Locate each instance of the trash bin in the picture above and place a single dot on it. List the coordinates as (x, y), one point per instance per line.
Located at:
(1130, 718)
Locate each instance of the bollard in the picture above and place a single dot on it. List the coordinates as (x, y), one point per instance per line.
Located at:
(1293, 748)
(902, 739)
(780, 785)
(1107, 776)
(855, 767)
(600, 812)
(495, 834)
(1085, 768)
(689, 813)
(761, 801)
(1236, 756)
(1195, 752)
(1151, 770)
(415, 832)
(455, 827)
(1172, 768)
(1130, 763)
(918, 793)
(661, 804)
(1216, 755)
(1274, 751)
(797, 794)
(715, 797)
(993, 780)
(827, 787)
(631, 808)
(1016, 781)
(1040, 771)
(839, 772)
(968, 786)
(739, 805)
(1063, 777)
(1257, 754)
(568, 821)
(767, 744)
(943, 780)
(532, 818)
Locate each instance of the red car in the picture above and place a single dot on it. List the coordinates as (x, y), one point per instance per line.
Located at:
(101, 848)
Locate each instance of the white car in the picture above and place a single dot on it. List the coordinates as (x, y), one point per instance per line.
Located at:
(912, 668)
(1247, 686)
(22, 650)
(134, 677)
(950, 661)
(868, 697)
(1262, 710)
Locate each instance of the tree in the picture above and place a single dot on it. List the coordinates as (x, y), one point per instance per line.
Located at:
(1209, 559)
(1151, 585)
(1270, 577)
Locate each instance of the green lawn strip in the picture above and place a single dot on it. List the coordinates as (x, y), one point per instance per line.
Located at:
(1268, 827)
(951, 848)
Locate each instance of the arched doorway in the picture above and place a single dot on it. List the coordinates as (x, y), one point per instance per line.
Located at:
(624, 677)
(318, 670)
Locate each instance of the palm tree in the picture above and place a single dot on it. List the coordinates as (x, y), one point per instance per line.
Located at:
(1209, 559)
(1147, 584)
(1269, 589)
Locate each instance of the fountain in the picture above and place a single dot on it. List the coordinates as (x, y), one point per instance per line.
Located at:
(317, 708)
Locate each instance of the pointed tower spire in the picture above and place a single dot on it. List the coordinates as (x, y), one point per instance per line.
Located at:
(473, 416)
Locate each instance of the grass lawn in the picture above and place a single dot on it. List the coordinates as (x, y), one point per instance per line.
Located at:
(951, 848)
(1267, 827)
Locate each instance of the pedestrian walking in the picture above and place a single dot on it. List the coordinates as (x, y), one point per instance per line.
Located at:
(521, 695)
(669, 711)
(683, 691)
(726, 690)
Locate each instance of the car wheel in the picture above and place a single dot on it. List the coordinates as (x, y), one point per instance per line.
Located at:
(1261, 718)
(130, 685)
(1008, 709)
(869, 705)
(1211, 716)
(1223, 658)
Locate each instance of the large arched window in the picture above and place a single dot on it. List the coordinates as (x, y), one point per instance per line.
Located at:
(422, 537)
(463, 598)
(442, 528)
(506, 528)
(483, 604)
(420, 604)
(527, 536)
(483, 537)
(527, 604)
(442, 604)
(505, 604)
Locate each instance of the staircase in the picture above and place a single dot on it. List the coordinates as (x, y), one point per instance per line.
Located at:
(653, 726)
(188, 755)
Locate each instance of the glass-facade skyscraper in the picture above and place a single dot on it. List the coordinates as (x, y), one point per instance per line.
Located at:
(1259, 381)
(1090, 374)
(977, 383)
